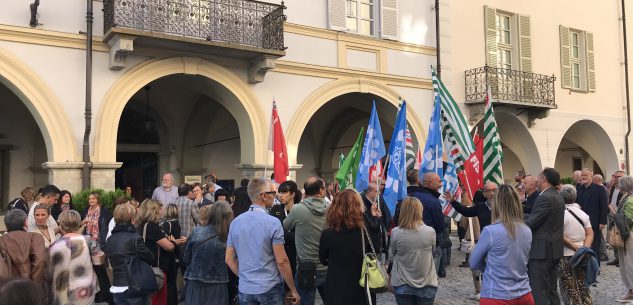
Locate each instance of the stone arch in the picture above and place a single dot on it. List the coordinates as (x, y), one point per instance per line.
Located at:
(336, 88)
(592, 138)
(243, 105)
(516, 137)
(43, 105)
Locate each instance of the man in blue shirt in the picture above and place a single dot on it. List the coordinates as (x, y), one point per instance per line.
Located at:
(255, 250)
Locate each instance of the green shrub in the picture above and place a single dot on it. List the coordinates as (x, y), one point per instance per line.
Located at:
(567, 180)
(80, 200)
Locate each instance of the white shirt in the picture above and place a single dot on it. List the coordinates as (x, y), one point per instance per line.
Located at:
(614, 199)
(32, 227)
(572, 228)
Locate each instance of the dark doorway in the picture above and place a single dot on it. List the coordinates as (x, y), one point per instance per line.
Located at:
(139, 171)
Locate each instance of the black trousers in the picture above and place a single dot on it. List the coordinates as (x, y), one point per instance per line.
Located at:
(543, 274)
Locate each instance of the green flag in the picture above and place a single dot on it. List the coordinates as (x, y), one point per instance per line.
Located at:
(346, 174)
(493, 154)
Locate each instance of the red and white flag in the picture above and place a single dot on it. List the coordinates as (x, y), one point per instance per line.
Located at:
(472, 177)
(278, 145)
(418, 158)
(376, 171)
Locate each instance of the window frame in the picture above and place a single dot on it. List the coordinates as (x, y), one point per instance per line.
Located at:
(502, 46)
(375, 9)
(579, 61)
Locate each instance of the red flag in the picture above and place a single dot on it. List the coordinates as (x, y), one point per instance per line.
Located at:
(376, 171)
(472, 177)
(281, 168)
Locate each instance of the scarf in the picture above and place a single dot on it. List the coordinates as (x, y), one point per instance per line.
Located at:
(92, 226)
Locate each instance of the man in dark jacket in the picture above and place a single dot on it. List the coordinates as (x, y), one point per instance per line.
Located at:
(592, 198)
(481, 210)
(546, 222)
(432, 210)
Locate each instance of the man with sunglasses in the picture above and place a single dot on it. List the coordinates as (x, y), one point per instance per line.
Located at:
(255, 250)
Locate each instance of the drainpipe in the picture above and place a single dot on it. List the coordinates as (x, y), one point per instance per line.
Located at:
(437, 38)
(85, 181)
(626, 86)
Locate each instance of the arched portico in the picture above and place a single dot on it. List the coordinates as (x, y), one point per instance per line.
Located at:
(337, 88)
(583, 143)
(43, 105)
(242, 104)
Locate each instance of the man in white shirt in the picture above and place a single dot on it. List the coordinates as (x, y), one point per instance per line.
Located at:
(48, 195)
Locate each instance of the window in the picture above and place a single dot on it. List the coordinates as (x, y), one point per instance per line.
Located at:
(577, 65)
(376, 18)
(361, 17)
(504, 41)
(508, 41)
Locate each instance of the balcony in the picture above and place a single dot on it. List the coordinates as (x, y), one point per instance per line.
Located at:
(527, 92)
(242, 29)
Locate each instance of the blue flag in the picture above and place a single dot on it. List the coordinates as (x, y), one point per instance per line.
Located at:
(396, 182)
(432, 154)
(373, 150)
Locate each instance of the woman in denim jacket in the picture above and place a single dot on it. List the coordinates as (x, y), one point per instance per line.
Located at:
(207, 273)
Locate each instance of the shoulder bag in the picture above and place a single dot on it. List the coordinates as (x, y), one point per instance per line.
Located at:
(158, 273)
(141, 277)
(373, 275)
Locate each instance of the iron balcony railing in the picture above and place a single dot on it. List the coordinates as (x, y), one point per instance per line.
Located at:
(510, 86)
(245, 22)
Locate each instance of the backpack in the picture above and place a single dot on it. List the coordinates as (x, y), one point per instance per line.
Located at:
(13, 203)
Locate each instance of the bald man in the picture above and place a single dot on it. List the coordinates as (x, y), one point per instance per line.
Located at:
(530, 185)
(432, 210)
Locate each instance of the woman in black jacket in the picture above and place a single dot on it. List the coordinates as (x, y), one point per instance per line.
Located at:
(120, 248)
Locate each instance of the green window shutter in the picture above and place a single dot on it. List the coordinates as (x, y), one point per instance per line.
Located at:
(525, 43)
(337, 15)
(490, 28)
(389, 18)
(565, 64)
(591, 72)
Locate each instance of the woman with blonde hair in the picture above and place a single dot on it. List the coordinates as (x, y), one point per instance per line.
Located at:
(207, 274)
(502, 253)
(123, 245)
(41, 214)
(341, 247)
(147, 225)
(413, 275)
(70, 270)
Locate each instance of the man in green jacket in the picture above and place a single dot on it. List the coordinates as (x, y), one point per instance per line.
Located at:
(307, 219)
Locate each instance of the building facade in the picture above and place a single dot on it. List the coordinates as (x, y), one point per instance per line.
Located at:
(187, 86)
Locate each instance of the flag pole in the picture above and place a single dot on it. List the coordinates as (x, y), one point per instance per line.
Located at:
(470, 222)
(380, 182)
(270, 139)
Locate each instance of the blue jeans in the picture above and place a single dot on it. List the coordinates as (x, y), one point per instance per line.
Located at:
(124, 298)
(406, 295)
(274, 296)
(307, 294)
(437, 258)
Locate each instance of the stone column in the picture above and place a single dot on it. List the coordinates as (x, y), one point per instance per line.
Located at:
(250, 171)
(102, 175)
(64, 175)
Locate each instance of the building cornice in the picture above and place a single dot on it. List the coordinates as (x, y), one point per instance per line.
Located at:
(49, 38)
(357, 39)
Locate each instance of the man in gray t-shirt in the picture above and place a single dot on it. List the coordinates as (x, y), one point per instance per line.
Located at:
(166, 193)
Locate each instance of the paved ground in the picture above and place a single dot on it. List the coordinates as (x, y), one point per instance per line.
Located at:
(457, 286)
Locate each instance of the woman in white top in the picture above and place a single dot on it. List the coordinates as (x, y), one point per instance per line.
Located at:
(41, 214)
(577, 233)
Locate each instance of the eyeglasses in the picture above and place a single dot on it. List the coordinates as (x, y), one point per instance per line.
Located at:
(270, 193)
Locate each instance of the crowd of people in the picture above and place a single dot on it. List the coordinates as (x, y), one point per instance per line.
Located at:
(265, 243)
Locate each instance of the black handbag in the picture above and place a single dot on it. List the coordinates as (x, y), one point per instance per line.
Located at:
(141, 277)
(306, 274)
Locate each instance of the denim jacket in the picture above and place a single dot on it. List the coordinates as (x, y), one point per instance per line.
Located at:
(204, 257)
(593, 265)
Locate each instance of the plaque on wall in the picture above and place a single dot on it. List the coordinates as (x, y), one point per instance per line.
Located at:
(193, 179)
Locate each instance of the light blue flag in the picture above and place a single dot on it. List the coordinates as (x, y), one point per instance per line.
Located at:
(373, 150)
(432, 154)
(395, 184)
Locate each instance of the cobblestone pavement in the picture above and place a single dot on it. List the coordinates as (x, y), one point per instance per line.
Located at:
(457, 286)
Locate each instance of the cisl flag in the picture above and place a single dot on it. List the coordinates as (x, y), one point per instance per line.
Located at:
(281, 168)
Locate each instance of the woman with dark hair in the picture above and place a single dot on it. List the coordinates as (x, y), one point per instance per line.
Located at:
(207, 273)
(242, 202)
(288, 195)
(221, 194)
(64, 203)
(96, 219)
(198, 193)
(502, 253)
(341, 250)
